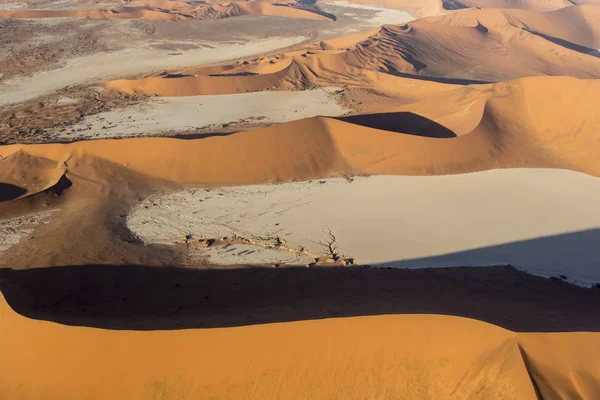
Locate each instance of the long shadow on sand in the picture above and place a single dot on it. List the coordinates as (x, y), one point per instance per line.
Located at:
(401, 122)
(10, 192)
(575, 255)
(569, 45)
(453, 81)
(148, 298)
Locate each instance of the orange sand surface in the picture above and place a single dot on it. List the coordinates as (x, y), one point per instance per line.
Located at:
(383, 357)
(461, 47)
(523, 123)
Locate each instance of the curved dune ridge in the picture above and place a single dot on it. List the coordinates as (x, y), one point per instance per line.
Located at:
(462, 47)
(524, 123)
(31, 175)
(534, 5)
(167, 10)
(383, 357)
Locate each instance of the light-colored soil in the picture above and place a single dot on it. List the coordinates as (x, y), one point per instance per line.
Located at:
(162, 115)
(13, 230)
(88, 69)
(409, 222)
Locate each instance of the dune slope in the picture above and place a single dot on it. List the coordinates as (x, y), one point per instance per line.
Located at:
(415, 356)
(528, 122)
(467, 46)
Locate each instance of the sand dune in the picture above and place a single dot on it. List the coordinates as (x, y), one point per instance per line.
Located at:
(89, 69)
(523, 123)
(461, 47)
(534, 5)
(30, 174)
(414, 356)
(167, 10)
(520, 186)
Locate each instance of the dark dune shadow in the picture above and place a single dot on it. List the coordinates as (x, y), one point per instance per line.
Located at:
(149, 298)
(236, 74)
(576, 252)
(175, 76)
(10, 192)
(309, 5)
(401, 122)
(452, 5)
(454, 81)
(188, 136)
(59, 187)
(568, 45)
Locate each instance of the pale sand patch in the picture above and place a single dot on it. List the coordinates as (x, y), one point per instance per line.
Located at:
(544, 221)
(14, 229)
(106, 66)
(382, 16)
(176, 114)
(11, 6)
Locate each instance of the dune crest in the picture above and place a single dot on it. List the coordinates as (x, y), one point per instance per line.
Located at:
(522, 123)
(467, 46)
(416, 356)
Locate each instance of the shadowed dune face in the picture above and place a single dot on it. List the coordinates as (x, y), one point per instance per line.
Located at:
(412, 356)
(10, 192)
(401, 122)
(151, 298)
(331, 359)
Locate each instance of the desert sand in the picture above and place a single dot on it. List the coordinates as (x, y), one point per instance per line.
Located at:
(88, 69)
(413, 356)
(533, 133)
(458, 153)
(489, 39)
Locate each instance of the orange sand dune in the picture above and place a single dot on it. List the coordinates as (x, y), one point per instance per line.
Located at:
(533, 5)
(382, 357)
(31, 174)
(462, 46)
(529, 122)
(577, 25)
(166, 10)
